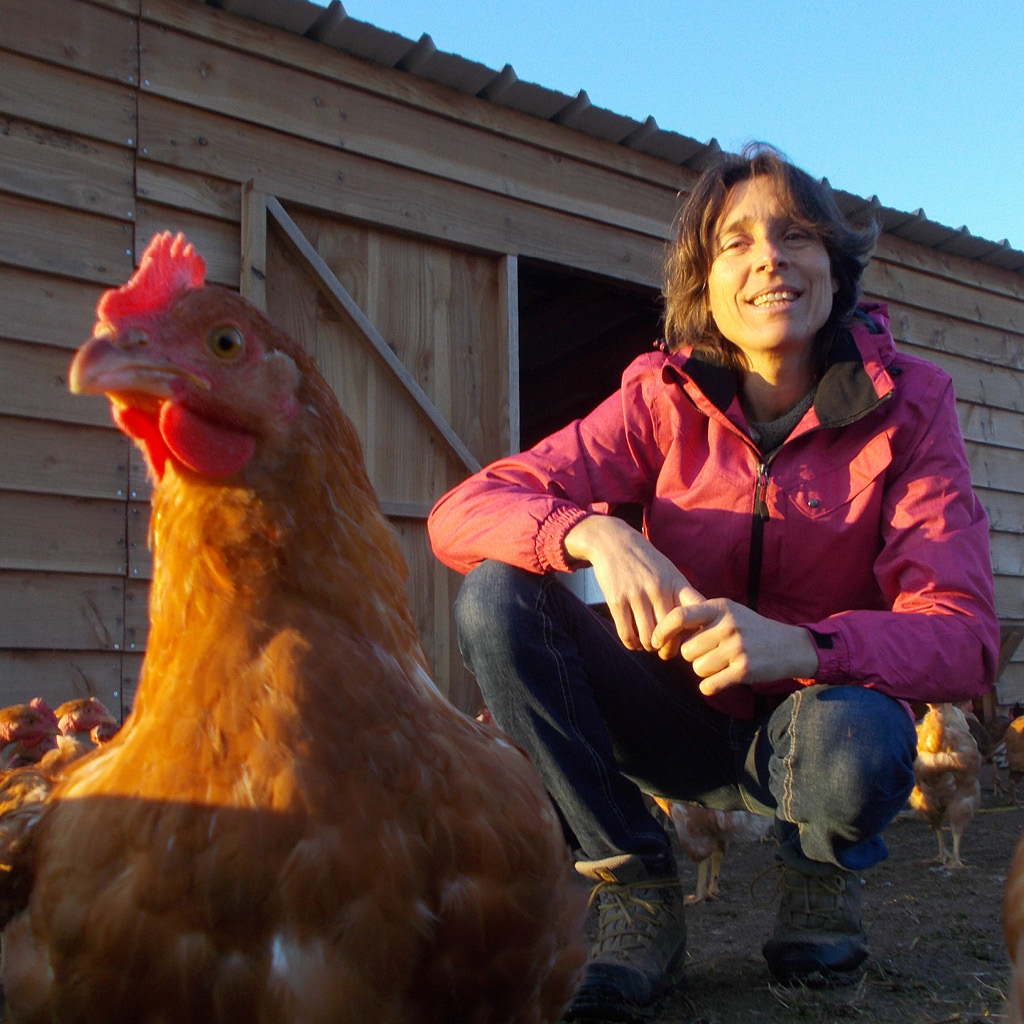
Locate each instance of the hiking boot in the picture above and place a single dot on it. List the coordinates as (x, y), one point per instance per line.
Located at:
(638, 944)
(818, 938)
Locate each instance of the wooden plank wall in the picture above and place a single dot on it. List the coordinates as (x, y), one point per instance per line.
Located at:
(68, 91)
(969, 318)
(119, 122)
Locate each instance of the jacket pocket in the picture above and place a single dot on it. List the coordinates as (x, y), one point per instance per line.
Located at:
(836, 486)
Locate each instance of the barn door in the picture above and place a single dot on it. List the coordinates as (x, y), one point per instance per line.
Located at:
(415, 338)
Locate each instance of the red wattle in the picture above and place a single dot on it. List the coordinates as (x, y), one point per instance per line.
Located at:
(143, 427)
(203, 445)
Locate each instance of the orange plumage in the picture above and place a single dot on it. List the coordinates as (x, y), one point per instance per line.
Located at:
(946, 773)
(292, 824)
(1012, 754)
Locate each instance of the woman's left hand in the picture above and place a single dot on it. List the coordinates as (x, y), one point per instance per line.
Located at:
(726, 643)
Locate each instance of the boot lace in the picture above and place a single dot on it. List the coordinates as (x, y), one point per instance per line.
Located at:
(630, 915)
(810, 902)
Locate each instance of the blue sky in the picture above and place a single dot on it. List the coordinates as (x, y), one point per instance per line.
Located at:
(918, 102)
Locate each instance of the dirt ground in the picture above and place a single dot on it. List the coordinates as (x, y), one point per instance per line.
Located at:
(937, 952)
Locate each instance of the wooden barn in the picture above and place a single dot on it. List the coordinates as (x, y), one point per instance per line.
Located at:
(471, 258)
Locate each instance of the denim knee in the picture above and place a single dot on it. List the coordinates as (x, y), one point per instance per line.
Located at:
(489, 606)
(841, 769)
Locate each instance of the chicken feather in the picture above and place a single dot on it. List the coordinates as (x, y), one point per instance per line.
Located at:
(292, 824)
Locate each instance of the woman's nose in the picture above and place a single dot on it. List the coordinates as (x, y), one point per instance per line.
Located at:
(769, 255)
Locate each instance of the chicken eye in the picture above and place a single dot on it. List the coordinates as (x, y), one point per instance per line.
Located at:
(226, 343)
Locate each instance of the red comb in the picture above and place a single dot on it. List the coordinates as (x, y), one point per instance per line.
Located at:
(168, 266)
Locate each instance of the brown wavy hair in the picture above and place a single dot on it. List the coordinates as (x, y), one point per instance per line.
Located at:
(688, 319)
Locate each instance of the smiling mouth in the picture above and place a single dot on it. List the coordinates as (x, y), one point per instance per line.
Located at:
(778, 297)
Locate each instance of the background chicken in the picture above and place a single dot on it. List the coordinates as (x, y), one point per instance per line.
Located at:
(706, 834)
(946, 772)
(1009, 756)
(24, 791)
(292, 824)
(85, 719)
(27, 732)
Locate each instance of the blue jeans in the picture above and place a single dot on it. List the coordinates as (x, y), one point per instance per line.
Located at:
(833, 764)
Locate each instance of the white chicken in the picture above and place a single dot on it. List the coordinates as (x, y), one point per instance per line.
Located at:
(706, 835)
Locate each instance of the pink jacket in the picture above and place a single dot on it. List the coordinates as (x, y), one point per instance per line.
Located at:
(863, 528)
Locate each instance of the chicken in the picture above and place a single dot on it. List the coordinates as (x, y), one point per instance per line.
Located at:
(103, 732)
(292, 824)
(27, 732)
(946, 773)
(23, 792)
(706, 835)
(84, 716)
(1010, 754)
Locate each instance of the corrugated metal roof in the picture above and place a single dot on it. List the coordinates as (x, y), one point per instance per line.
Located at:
(333, 27)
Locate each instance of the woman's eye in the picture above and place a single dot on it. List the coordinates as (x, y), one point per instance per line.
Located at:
(226, 343)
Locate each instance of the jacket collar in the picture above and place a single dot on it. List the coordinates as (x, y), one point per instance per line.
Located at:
(854, 382)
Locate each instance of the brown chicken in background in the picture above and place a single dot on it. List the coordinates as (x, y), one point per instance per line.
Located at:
(946, 772)
(27, 732)
(23, 790)
(85, 719)
(292, 825)
(706, 835)
(1009, 755)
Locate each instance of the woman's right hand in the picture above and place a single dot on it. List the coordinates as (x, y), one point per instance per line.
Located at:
(640, 585)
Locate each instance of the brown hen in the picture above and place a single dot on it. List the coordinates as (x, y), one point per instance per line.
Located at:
(293, 825)
(946, 774)
(1010, 755)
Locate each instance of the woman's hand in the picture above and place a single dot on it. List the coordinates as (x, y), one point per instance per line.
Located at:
(726, 643)
(640, 585)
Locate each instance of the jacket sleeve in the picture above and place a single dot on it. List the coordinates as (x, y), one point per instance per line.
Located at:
(940, 640)
(519, 509)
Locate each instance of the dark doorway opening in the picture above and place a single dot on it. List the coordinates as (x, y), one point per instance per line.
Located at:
(577, 333)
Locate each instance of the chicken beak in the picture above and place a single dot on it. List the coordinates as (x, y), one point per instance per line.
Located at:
(103, 366)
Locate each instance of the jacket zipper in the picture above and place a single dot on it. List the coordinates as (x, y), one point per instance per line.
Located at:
(761, 514)
(758, 519)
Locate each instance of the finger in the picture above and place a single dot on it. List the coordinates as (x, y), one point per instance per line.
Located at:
(646, 621)
(719, 681)
(723, 664)
(625, 627)
(670, 627)
(709, 664)
(700, 644)
(669, 649)
(680, 620)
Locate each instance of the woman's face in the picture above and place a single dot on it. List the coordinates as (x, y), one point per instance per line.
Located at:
(770, 286)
